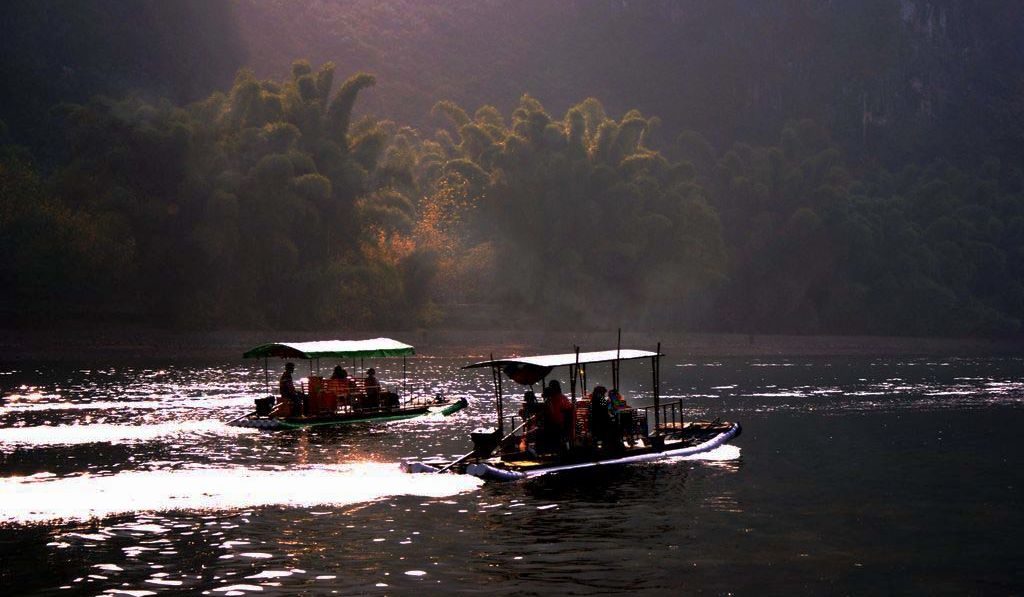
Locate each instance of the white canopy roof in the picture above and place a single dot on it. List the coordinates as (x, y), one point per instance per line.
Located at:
(570, 358)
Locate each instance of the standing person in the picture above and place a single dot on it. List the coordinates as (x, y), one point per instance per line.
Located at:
(289, 393)
(530, 412)
(530, 406)
(339, 373)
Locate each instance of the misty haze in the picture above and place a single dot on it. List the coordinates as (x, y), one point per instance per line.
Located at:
(270, 266)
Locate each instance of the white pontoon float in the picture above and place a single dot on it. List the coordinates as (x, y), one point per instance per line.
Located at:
(634, 434)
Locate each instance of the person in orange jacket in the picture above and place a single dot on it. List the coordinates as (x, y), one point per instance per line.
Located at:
(557, 417)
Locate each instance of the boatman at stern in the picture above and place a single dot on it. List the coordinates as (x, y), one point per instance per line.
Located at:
(288, 391)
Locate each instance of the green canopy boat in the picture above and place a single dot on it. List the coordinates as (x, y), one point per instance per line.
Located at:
(339, 400)
(337, 349)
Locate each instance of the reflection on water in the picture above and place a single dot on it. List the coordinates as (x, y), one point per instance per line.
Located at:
(844, 468)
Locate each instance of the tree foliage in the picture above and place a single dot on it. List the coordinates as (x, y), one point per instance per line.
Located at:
(816, 247)
(582, 220)
(271, 204)
(259, 206)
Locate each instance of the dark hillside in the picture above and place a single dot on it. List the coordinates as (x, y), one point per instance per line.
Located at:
(897, 79)
(784, 167)
(69, 51)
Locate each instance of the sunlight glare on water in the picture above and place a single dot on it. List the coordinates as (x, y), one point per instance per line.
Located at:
(721, 453)
(35, 499)
(57, 435)
(126, 480)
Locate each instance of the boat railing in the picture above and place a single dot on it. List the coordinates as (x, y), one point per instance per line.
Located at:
(522, 433)
(669, 416)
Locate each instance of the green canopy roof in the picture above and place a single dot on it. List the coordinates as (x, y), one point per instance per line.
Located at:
(339, 349)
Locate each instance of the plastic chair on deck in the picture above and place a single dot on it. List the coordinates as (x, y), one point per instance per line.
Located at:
(581, 420)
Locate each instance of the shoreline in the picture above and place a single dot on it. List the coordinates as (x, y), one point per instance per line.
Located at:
(85, 343)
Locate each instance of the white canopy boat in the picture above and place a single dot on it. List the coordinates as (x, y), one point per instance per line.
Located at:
(635, 434)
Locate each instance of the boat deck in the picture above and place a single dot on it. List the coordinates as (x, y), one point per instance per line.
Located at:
(527, 461)
(349, 416)
(695, 435)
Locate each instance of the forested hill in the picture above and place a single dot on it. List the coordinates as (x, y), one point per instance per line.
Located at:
(760, 167)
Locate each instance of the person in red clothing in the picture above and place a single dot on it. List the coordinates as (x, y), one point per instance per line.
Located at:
(557, 418)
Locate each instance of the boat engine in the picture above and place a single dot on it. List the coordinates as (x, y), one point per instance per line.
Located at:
(485, 440)
(264, 406)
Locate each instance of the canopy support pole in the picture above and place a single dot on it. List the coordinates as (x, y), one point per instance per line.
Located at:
(572, 378)
(656, 382)
(266, 374)
(615, 369)
(572, 385)
(403, 374)
(496, 375)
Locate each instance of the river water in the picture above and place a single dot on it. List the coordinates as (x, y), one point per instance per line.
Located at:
(853, 475)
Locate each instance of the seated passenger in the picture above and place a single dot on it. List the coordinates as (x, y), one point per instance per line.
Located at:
(604, 427)
(616, 401)
(622, 415)
(372, 389)
(556, 418)
(341, 382)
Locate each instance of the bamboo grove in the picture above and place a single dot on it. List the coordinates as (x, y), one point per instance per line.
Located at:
(270, 205)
